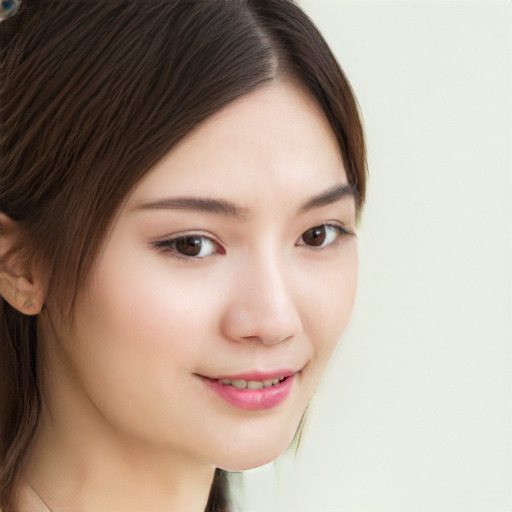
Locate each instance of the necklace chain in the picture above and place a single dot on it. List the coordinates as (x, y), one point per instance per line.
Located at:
(43, 503)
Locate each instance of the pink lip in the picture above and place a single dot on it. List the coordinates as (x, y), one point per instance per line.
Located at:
(254, 399)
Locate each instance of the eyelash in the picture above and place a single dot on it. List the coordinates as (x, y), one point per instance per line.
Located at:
(169, 245)
(333, 229)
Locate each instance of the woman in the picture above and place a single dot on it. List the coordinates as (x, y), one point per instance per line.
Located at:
(179, 191)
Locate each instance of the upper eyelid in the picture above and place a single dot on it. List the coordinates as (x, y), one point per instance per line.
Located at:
(168, 245)
(185, 234)
(339, 226)
(336, 224)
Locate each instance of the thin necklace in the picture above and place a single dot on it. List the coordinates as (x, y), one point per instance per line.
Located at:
(45, 505)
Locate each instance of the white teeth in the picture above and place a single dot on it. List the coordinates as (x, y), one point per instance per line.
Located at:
(239, 383)
(251, 384)
(255, 384)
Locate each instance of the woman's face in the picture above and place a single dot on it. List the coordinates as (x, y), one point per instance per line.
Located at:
(234, 260)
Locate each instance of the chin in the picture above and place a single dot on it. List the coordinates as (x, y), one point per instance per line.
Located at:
(256, 451)
(252, 461)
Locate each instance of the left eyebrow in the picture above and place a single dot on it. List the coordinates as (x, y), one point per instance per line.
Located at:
(329, 196)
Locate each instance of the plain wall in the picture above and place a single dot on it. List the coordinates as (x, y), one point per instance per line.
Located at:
(414, 413)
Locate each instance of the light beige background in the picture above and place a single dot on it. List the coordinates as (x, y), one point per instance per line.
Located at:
(415, 412)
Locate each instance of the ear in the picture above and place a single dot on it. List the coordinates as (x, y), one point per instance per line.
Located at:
(20, 283)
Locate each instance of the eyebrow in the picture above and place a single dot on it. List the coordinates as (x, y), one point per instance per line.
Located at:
(224, 207)
(331, 195)
(209, 205)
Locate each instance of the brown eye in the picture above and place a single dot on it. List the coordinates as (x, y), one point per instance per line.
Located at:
(320, 237)
(315, 236)
(189, 245)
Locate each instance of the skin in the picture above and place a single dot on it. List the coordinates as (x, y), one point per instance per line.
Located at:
(127, 423)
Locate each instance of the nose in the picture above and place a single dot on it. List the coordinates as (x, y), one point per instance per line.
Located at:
(260, 305)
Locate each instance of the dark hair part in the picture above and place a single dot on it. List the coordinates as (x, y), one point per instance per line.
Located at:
(93, 94)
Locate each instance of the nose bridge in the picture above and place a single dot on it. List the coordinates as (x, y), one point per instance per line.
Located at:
(263, 306)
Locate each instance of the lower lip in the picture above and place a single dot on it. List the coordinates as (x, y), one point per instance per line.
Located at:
(253, 399)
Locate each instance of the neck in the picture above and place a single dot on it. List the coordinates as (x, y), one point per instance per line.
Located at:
(90, 473)
(82, 462)
(87, 474)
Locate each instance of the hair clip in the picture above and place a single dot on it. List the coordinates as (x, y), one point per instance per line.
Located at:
(8, 8)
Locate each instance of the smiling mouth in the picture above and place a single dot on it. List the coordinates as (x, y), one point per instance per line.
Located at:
(255, 392)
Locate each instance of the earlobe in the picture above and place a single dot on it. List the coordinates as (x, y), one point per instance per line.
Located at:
(20, 284)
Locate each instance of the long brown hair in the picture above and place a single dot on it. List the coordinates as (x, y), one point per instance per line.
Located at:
(93, 94)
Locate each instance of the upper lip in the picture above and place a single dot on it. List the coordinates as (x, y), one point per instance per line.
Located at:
(257, 375)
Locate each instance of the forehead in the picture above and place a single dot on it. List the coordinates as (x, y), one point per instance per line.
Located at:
(273, 143)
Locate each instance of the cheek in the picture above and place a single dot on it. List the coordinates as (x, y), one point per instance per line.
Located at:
(330, 301)
(140, 337)
(140, 301)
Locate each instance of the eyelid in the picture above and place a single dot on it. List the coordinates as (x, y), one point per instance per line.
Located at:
(346, 230)
(188, 232)
(340, 227)
(166, 245)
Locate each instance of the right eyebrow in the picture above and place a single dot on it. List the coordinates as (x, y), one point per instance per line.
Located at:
(204, 204)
